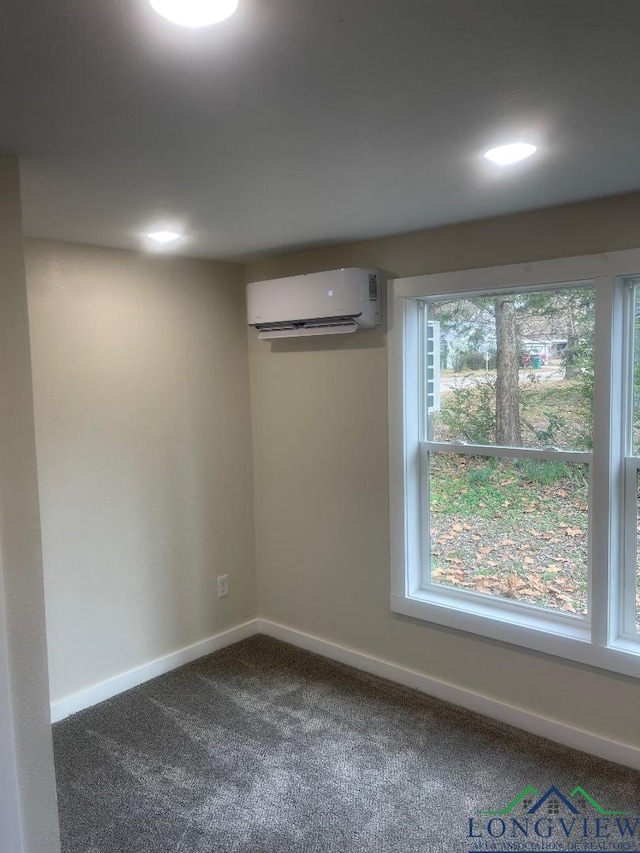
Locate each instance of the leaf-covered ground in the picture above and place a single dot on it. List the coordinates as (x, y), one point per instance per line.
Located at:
(496, 529)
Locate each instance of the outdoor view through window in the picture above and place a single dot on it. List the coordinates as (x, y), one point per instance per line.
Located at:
(510, 371)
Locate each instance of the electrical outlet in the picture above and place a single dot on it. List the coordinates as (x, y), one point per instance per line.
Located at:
(223, 586)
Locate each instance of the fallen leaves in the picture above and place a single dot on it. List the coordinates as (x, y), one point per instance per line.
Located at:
(522, 569)
(500, 533)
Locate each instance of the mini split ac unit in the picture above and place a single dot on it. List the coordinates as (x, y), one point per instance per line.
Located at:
(324, 303)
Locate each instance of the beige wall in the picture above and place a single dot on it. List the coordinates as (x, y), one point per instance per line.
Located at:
(26, 768)
(143, 435)
(319, 411)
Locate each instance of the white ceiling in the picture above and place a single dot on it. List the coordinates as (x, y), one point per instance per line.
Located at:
(301, 122)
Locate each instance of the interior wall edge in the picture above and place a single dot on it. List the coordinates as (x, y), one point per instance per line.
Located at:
(23, 619)
(10, 815)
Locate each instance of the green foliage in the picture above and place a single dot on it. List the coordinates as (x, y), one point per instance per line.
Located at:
(566, 314)
(473, 360)
(552, 413)
(557, 413)
(493, 487)
(482, 476)
(472, 486)
(547, 434)
(468, 414)
(584, 385)
(543, 471)
(636, 380)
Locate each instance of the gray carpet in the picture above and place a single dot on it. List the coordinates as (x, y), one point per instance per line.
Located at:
(262, 747)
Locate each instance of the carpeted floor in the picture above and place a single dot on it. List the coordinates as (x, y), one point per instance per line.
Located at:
(264, 748)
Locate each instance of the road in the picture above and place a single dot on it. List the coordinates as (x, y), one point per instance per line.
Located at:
(550, 373)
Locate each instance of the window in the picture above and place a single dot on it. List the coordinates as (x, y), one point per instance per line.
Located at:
(514, 420)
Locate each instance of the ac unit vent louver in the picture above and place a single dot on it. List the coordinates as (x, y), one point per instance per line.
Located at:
(342, 326)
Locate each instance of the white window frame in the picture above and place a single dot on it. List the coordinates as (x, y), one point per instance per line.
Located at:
(603, 639)
(627, 602)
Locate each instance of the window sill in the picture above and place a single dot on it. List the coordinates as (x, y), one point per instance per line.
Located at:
(568, 638)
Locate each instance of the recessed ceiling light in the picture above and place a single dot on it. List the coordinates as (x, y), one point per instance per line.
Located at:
(195, 13)
(164, 236)
(505, 154)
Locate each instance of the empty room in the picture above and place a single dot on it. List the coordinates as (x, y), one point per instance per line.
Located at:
(320, 426)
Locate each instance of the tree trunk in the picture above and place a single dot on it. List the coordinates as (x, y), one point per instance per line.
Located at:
(570, 351)
(569, 358)
(508, 428)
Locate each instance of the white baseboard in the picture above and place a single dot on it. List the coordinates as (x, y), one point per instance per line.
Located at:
(133, 677)
(552, 729)
(558, 732)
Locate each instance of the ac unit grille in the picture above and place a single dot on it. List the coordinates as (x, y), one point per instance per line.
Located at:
(302, 328)
(345, 322)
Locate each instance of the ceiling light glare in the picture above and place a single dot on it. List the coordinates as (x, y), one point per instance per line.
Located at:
(506, 154)
(195, 13)
(163, 237)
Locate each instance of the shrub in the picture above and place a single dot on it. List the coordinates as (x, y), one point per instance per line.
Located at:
(543, 471)
(469, 413)
(472, 360)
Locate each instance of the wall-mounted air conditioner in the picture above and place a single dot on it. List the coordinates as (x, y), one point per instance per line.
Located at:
(324, 303)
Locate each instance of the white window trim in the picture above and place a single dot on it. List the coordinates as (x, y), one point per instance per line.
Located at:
(627, 579)
(627, 604)
(600, 640)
